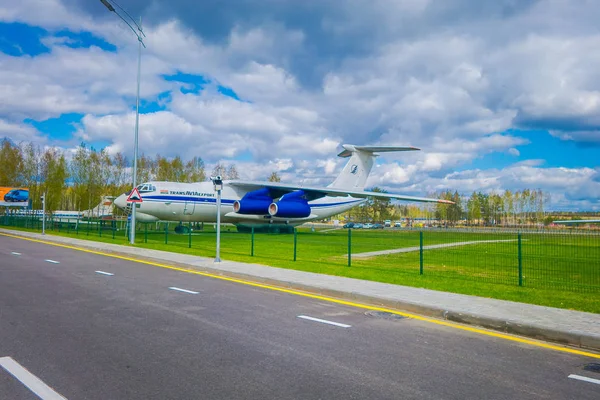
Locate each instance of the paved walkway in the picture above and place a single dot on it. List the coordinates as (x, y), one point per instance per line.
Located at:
(565, 326)
(429, 247)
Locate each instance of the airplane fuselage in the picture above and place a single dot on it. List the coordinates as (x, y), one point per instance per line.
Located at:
(196, 202)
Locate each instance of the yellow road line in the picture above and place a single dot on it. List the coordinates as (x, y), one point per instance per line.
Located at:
(324, 298)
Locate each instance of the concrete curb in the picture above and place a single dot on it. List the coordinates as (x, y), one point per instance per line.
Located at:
(573, 338)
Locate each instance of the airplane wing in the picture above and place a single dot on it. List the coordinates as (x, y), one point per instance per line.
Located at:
(279, 189)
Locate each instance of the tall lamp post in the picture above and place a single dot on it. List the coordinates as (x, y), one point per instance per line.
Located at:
(43, 197)
(110, 5)
(218, 183)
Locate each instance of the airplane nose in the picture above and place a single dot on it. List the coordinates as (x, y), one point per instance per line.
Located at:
(121, 201)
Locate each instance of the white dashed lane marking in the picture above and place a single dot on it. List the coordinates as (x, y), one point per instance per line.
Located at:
(324, 321)
(585, 379)
(52, 261)
(104, 273)
(183, 290)
(32, 382)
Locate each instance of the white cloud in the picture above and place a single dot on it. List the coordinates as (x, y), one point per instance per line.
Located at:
(20, 133)
(579, 136)
(514, 152)
(47, 13)
(73, 80)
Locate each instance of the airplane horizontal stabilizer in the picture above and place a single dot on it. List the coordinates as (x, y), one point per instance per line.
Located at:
(350, 148)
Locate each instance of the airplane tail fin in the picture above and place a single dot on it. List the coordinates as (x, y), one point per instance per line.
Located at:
(104, 208)
(355, 173)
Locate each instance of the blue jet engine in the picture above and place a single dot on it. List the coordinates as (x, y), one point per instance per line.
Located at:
(291, 205)
(255, 202)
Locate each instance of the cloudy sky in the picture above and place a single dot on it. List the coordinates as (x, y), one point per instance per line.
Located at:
(498, 94)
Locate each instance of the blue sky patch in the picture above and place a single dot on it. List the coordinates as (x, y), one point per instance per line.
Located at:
(77, 40)
(246, 155)
(192, 83)
(228, 92)
(542, 146)
(101, 144)
(17, 39)
(61, 128)
(158, 104)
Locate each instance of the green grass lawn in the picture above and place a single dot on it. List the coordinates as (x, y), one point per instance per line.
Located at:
(558, 270)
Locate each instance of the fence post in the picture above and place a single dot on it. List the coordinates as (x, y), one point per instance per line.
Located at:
(87, 233)
(520, 260)
(349, 246)
(420, 252)
(112, 227)
(295, 243)
(189, 235)
(166, 232)
(252, 244)
(146, 232)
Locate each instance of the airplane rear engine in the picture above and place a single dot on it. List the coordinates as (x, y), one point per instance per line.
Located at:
(289, 209)
(252, 206)
(291, 205)
(255, 203)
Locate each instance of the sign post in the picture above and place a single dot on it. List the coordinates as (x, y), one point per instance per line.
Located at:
(134, 197)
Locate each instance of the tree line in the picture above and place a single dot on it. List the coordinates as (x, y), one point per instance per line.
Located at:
(507, 208)
(77, 180)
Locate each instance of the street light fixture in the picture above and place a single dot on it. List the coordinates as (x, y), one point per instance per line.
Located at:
(110, 5)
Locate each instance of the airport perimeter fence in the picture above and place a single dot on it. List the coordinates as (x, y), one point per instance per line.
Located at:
(566, 260)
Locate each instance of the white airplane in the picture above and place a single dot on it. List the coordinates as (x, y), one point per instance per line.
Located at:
(248, 203)
(102, 210)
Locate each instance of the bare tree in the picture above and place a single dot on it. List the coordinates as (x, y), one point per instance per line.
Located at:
(195, 170)
(274, 177)
(54, 173)
(232, 172)
(219, 170)
(120, 178)
(80, 173)
(31, 172)
(146, 170)
(11, 164)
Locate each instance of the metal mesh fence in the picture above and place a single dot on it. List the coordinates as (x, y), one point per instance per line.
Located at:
(565, 260)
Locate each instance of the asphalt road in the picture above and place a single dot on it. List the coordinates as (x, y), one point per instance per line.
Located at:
(89, 335)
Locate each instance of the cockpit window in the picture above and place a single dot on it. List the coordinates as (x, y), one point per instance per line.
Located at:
(146, 187)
